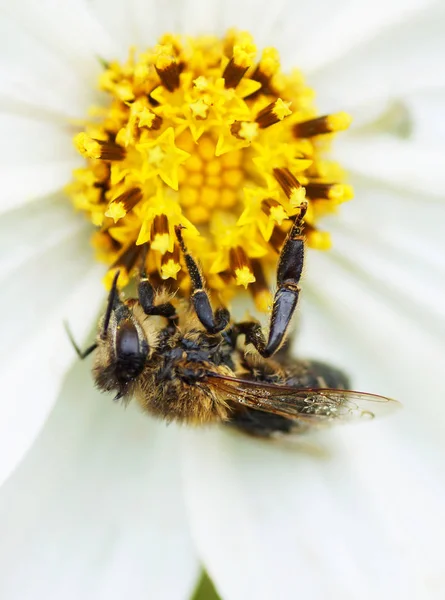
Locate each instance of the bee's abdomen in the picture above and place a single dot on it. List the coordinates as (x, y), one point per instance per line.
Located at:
(258, 423)
(299, 374)
(315, 374)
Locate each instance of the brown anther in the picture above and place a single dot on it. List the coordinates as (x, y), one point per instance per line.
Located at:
(235, 129)
(169, 75)
(329, 191)
(288, 182)
(267, 204)
(273, 113)
(244, 130)
(128, 258)
(111, 151)
(277, 238)
(310, 128)
(309, 228)
(102, 240)
(175, 255)
(322, 125)
(259, 288)
(152, 101)
(233, 74)
(262, 78)
(156, 123)
(318, 190)
(267, 67)
(129, 199)
(226, 276)
(239, 259)
(266, 117)
(159, 225)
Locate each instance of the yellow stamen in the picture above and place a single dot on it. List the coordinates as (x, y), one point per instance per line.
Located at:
(167, 67)
(290, 185)
(244, 52)
(205, 134)
(267, 67)
(319, 239)
(170, 265)
(334, 191)
(160, 234)
(241, 266)
(92, 148)
(273, 113)
(321, 125)
(244, 131)
(121, 205)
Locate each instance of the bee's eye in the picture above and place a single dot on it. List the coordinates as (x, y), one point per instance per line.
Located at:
(131, 352)
(127, 340)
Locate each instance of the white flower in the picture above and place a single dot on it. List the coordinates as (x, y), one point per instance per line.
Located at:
(99, 502)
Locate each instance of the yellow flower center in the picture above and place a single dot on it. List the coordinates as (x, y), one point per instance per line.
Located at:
(205, 134)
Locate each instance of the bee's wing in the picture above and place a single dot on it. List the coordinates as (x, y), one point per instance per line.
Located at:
(313, 406)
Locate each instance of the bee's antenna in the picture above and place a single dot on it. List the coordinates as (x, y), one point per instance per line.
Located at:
(111, 300)
(80, 353)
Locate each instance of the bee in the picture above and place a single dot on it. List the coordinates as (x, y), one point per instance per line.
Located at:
(191, 364)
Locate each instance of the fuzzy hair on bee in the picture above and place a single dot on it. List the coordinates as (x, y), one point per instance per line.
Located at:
(184, 362)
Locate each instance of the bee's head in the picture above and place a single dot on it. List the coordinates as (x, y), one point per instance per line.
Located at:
(122, 348)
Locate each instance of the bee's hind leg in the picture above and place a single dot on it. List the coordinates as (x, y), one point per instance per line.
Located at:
(290, 267)
(213, 322)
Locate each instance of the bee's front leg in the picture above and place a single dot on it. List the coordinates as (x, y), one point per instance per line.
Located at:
(146, 295)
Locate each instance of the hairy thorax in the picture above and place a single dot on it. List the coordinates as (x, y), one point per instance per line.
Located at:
(173, 391)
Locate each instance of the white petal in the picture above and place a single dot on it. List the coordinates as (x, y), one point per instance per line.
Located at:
(387, 241)
(24, 185)
(199, 17)
(50, 56)
(426, 112)
(390, 272)
(397, 162)
(37, 158)
(394, 217)
(96, 509)
(53, 215)
(406, 57)
(272, 522)
(69, 28)
(33, 141)
(338, 28)
(59, 284)
(138, 22)
(256, 16)
(42, 286)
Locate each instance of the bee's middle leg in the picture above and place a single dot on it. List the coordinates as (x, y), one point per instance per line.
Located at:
(212, 321)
